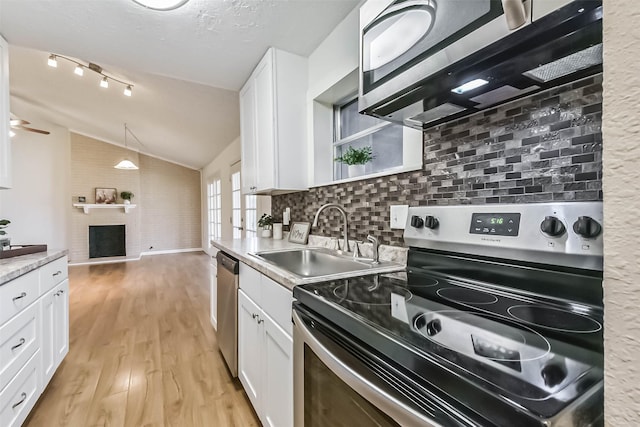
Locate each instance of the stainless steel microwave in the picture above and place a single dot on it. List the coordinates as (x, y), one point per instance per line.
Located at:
(423, 62)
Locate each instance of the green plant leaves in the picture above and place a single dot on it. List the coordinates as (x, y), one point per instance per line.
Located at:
(356, 156)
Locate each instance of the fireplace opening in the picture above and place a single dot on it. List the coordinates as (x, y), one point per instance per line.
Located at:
(106, 241)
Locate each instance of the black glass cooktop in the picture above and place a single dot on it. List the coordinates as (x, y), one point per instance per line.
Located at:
(537, 353)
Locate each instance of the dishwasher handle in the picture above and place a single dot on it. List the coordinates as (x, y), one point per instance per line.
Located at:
(228, 262)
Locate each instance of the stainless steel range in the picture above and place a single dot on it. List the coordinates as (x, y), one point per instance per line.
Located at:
(497, 321)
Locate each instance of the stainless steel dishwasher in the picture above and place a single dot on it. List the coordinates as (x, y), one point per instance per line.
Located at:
(228, 268)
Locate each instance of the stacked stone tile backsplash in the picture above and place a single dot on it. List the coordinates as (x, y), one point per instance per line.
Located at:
(538, 149)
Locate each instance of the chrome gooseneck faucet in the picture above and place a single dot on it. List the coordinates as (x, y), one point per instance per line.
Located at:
(345, 224)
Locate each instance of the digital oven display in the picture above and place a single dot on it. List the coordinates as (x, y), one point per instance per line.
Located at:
(503, 224)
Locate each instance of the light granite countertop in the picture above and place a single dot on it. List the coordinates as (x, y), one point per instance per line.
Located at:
(243, 248)
(10, 268)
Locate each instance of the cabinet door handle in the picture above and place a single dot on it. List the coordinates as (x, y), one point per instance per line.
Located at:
(253, 316)
(23, 398)
(57, 273)
(260, 320)
(22, 295)
(20, 344)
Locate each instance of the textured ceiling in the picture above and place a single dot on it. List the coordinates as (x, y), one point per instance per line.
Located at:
(186, 65)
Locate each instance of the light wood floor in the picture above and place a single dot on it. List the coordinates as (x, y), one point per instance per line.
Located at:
(142, 351)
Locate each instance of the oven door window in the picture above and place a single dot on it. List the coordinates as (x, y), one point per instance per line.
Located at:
(328, 401)
(409, 31)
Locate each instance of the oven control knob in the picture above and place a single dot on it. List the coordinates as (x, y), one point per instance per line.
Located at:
(553, 374)
(552, 226)
(433, 327)
(587, 227)
(431, 222)
(416, 221)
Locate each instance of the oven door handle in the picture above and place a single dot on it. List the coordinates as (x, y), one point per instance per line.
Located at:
(390, 405)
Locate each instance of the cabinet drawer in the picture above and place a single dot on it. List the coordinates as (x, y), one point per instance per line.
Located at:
(17, 295)
(53, 273)
(276, 302)
(19, 339)
(18, 398)
(250, 283)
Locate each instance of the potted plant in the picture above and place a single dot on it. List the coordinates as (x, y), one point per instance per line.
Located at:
(356, 159)
(265, 222)
(4, 241)
(126, 196)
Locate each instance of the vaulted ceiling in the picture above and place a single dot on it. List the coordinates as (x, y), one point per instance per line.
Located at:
(186, 65)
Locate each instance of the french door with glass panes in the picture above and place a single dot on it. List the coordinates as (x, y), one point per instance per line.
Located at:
(237, 203)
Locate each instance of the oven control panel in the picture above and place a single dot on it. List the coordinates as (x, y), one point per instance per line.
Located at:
(497, 224)
(566, 234)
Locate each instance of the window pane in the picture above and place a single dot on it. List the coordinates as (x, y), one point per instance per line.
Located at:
(214, 209)
(235, 181)
(387, 151)
(352, 122)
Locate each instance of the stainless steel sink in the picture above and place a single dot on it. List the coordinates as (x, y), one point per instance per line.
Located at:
(319, 262)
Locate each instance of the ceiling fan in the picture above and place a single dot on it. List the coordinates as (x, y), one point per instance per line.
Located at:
(20, 124)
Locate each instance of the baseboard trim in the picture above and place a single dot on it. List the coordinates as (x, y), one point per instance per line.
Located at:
(104, 261)
(128, 259)
(170, 251)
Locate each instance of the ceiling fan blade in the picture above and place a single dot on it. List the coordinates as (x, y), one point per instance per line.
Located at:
(43, 132)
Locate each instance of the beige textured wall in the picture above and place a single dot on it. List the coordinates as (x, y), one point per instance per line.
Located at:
(92, 164)
(621, 183)
(169, 205)
(167, 196)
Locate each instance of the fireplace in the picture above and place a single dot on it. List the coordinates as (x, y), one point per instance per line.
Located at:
(107, 241)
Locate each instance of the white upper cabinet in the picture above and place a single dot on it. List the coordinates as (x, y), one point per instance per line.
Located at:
(273, 130)
(5, 141)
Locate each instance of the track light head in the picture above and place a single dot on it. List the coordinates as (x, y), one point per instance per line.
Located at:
(79, 70)
(52, 61)
(104, 83)
(127, 90)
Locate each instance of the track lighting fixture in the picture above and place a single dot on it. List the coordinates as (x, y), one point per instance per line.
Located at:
(79, 70)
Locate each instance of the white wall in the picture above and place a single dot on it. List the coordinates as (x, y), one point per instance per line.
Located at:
(621, 156)
(332, 76)
(38, 203)
(336, 56)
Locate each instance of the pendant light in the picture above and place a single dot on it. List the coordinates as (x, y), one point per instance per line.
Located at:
(126, 164)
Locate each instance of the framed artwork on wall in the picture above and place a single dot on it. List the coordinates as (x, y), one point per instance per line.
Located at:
(106, 196)
(299, 232)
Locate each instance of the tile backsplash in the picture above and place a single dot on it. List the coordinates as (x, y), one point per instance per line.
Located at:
(538, 149)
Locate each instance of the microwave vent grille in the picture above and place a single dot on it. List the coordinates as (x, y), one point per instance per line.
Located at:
(442, 110)
(569, 64)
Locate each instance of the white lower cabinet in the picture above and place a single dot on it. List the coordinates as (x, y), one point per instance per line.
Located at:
(55, 325)
(33, 339)
(277, 376)
(265, 347)
(250, 349)
(19, 396)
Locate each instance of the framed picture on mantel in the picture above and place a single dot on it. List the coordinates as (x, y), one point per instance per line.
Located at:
(106, 196)
(299, 232)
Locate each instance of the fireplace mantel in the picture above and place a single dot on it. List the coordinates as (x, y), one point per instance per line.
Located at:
(88, 206)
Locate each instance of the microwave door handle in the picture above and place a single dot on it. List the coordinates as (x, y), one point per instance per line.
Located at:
(401, 413)
(515, 13)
